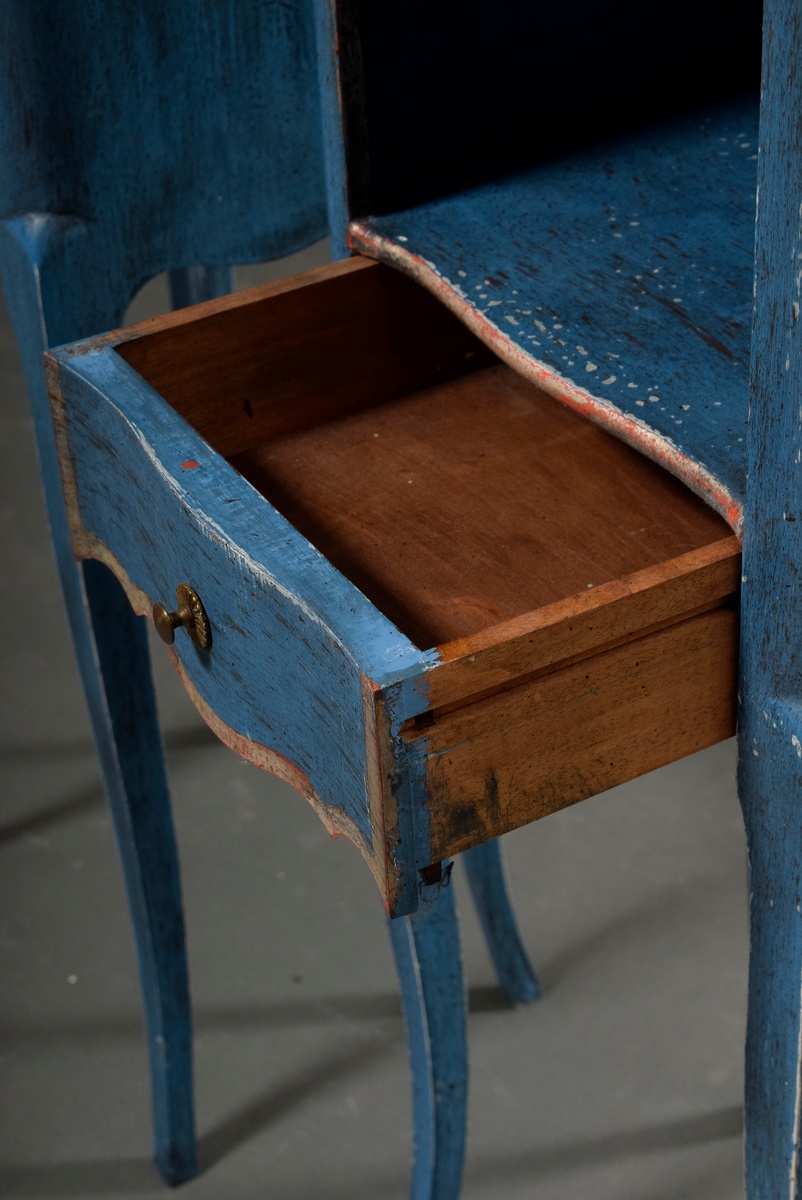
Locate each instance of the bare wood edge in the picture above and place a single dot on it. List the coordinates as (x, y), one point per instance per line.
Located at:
(363, 240)
(381, 802)
(212, 308)
(510, 653)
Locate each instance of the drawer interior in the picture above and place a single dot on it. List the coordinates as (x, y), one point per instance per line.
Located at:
(450, 490)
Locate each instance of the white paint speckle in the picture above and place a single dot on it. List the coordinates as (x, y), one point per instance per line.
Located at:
(581, 350)
(401, 238)
(610, 379)
(589, 366)
(654, 399)
(685, 407)
(640, 403)
(494, 303)
(632, 385)
(511, 320)
(541, 326)
(462, 274)
(797, 745)
(755, 753)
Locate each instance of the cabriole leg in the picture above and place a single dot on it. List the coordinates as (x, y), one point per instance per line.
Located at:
(485, 870)
(45, 303)
(129, 746)
(427, 955)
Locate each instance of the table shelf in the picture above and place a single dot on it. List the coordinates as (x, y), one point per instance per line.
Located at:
(619, 279)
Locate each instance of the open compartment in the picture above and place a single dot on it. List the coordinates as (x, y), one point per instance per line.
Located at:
(455, 494)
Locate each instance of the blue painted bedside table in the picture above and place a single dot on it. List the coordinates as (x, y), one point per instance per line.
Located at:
(438, 601)
(304, 486)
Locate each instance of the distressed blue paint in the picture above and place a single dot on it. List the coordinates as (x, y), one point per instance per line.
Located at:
(403, 700)
(427, 955)
(130, 752)
(625, 271)
(770, 718)
(112, 655)
(486, 876)
(290, 634)
(177, 135)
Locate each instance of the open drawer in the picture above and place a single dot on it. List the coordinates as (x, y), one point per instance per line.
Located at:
(440, 604)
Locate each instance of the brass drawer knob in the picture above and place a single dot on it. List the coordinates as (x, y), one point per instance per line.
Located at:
(190, 614)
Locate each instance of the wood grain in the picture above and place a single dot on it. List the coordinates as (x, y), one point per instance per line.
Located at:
(571, 629)
(286, 357)
(531, 750)
(475, 502)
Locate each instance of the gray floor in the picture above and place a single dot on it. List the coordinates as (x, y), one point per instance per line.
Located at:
(623, 1083)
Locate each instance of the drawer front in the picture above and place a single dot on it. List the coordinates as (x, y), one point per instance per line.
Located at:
(496, 764)
(150, 498)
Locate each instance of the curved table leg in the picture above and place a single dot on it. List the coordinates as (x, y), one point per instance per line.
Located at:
(111, 648)
(427, 955)
(489, 889)
(129, 746)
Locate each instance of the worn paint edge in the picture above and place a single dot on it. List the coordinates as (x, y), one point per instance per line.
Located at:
(336, 821)
(628, 429)
(405, 789)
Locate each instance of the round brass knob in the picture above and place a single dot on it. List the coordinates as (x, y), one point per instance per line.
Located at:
(190, 614)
